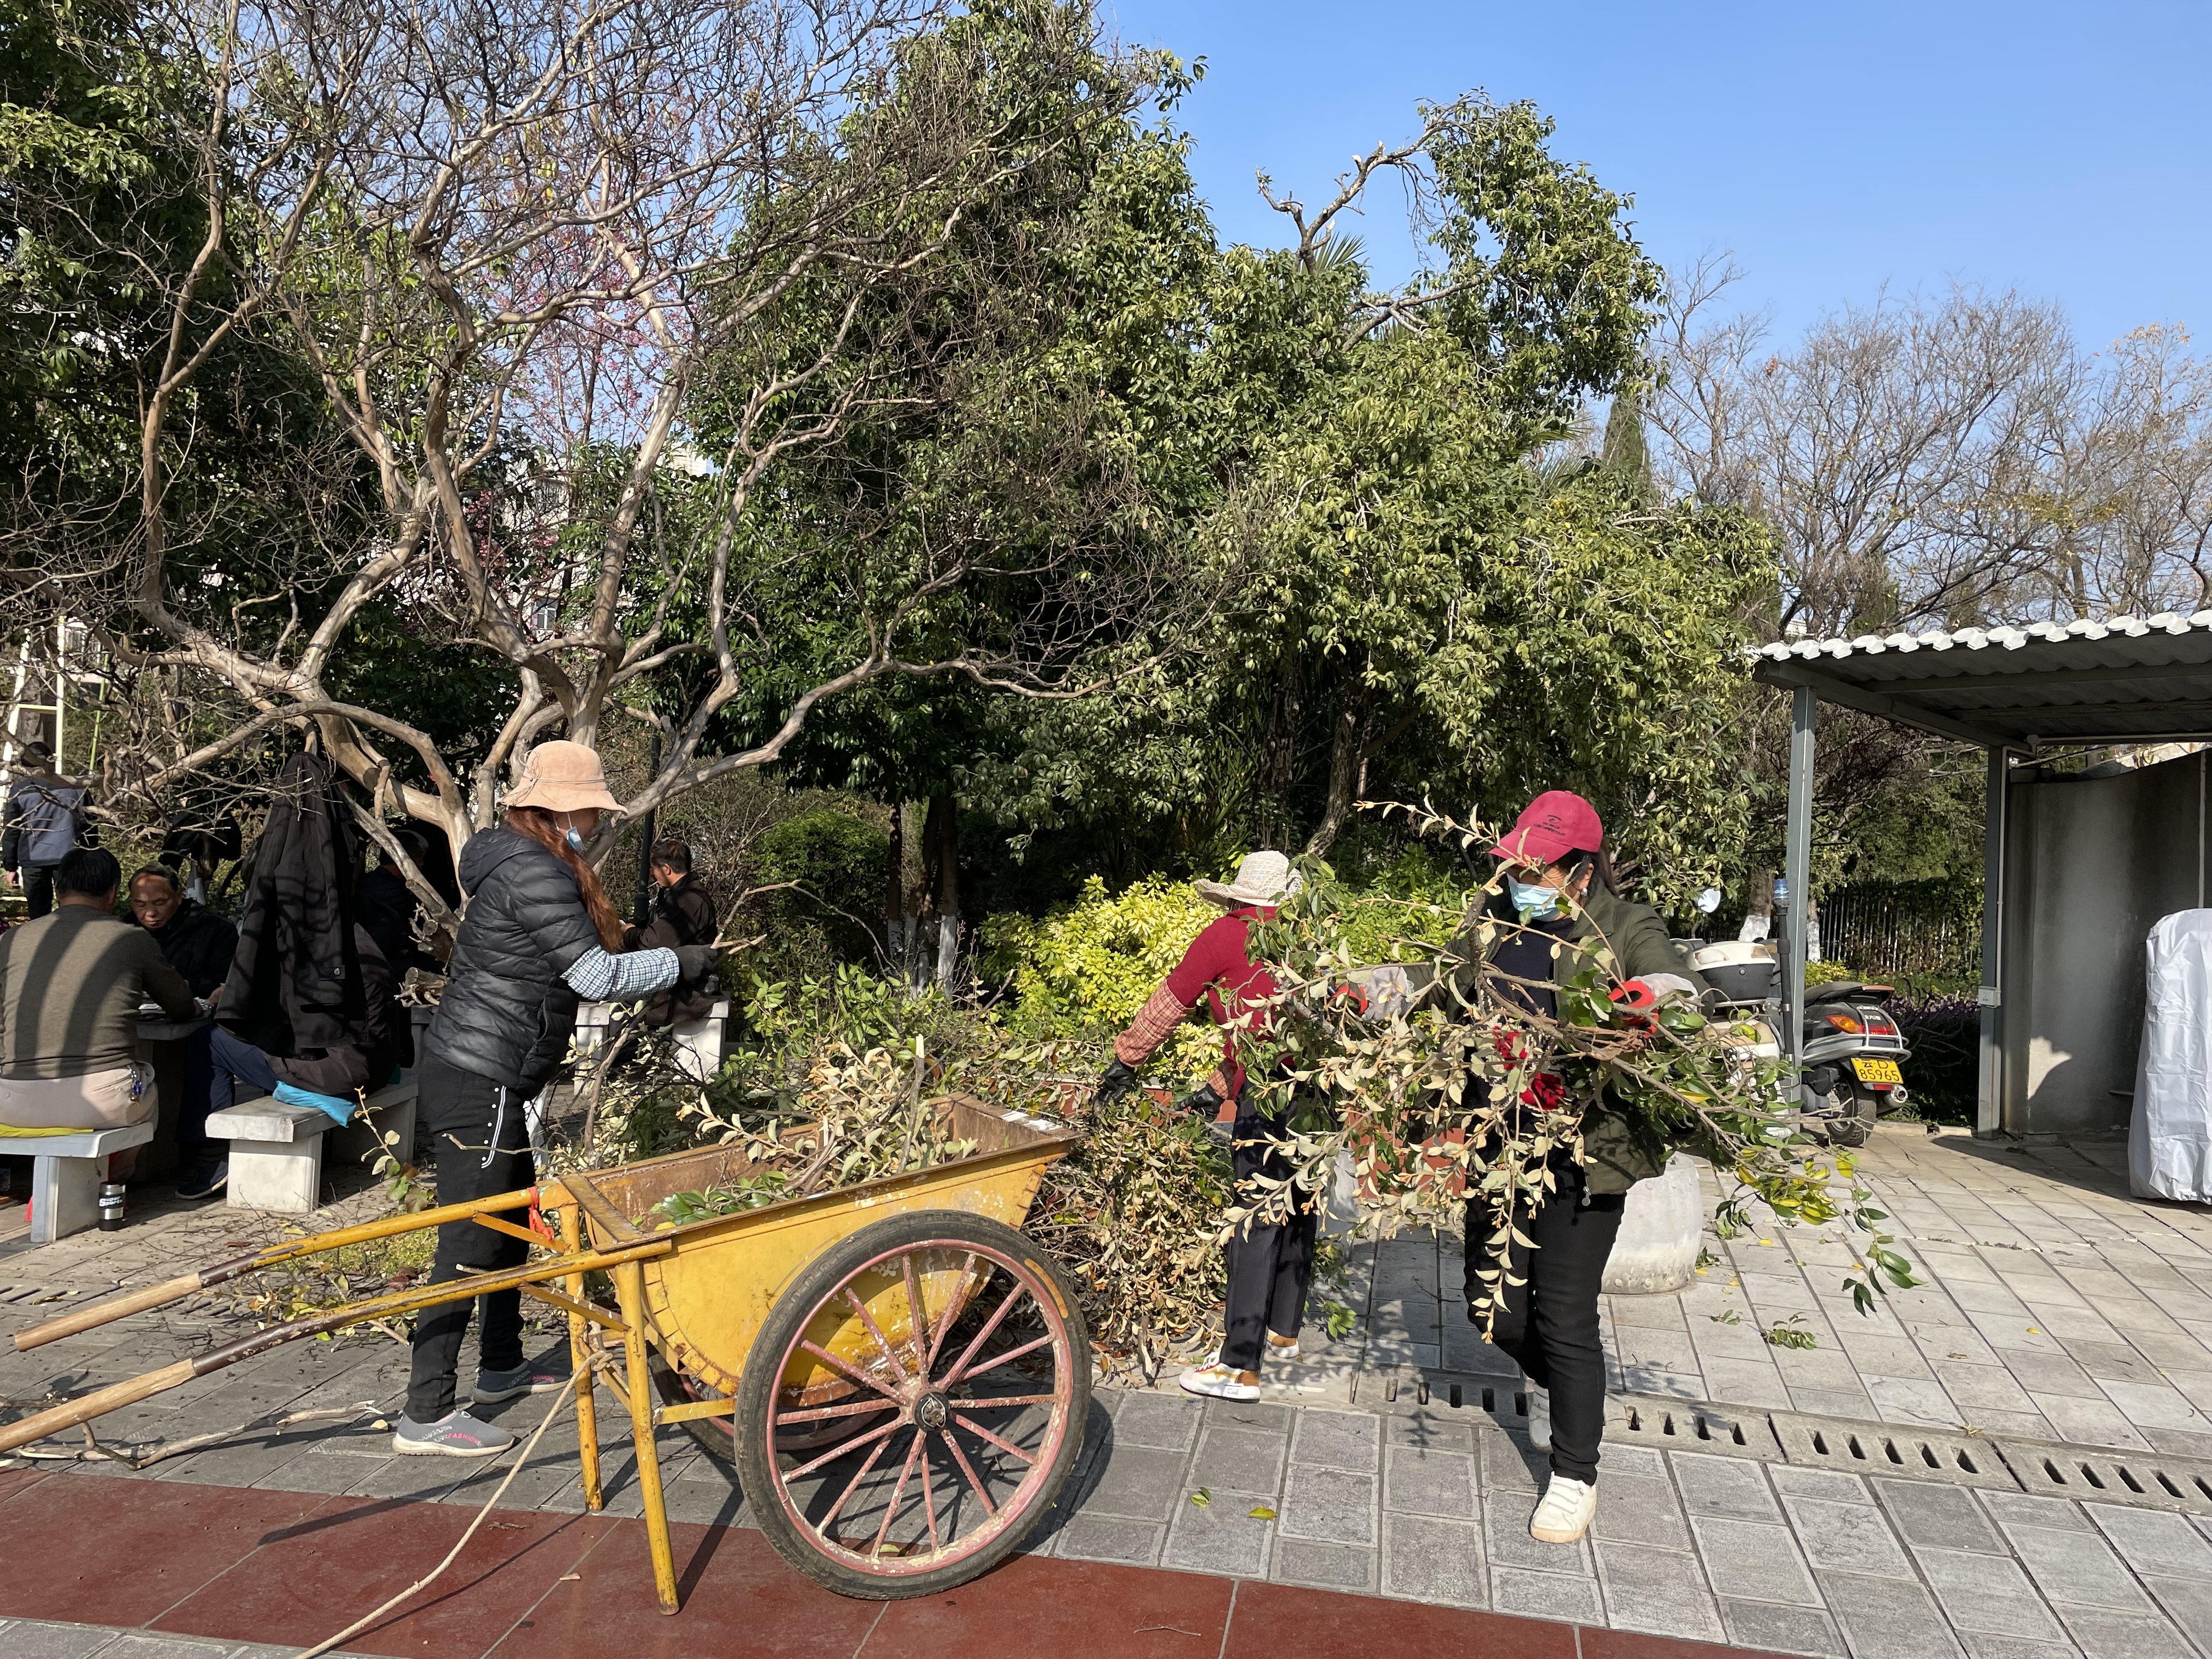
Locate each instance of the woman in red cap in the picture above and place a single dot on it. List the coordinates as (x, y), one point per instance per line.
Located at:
(1559, 889)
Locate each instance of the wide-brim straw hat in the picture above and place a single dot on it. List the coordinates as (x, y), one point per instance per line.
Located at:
(1262, 878)
(561, 776)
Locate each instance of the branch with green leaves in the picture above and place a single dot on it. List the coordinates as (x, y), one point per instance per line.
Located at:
(1443, 1078)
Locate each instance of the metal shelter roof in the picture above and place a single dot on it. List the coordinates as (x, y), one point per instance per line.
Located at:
(2118, 679)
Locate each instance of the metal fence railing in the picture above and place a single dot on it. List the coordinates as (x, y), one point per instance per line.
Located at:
(1904, 929)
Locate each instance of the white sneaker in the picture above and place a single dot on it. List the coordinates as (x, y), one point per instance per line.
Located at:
(1565, 1513)
(1217, 1381)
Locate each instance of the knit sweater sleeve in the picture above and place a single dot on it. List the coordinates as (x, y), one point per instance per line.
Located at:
(599, 976)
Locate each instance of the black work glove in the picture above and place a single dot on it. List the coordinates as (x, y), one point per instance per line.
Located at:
(1203, 1100)
(1116, 1081)
(694, 961)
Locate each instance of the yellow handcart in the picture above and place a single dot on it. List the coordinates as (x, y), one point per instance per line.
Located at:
(900, 1377)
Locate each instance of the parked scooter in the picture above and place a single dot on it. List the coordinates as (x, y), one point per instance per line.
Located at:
(1852, 1051)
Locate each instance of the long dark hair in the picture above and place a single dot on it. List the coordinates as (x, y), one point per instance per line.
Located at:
(538, 823)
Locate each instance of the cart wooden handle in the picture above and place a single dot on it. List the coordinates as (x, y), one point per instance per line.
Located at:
(468, 1285)
(98, 1403)
(91, 1318)
(551, 1194)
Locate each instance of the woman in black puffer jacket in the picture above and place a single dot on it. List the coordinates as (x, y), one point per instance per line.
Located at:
(539, 937)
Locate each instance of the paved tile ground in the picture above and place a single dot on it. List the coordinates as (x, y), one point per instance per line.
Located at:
(2058, 1309)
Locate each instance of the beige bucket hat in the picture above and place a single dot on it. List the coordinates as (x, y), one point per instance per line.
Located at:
(563, 777)
(1262, 878)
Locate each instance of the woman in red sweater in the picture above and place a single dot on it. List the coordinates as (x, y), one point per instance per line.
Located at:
(1270, 1267)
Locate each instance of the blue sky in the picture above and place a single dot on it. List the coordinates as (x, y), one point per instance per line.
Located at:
(2065, 150)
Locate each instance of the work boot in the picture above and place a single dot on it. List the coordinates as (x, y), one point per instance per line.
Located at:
(454, 1435)
(203, 1180)
(493, 1387)
(1565, 1515)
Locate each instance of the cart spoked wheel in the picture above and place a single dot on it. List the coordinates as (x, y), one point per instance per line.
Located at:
(947, 1353)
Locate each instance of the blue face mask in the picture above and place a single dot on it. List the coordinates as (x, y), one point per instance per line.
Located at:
(575, 838)
(1532, 903)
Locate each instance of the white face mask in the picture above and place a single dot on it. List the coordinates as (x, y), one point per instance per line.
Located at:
(1532, 903)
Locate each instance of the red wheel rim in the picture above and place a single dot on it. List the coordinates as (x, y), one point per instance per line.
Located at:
(952, 1433)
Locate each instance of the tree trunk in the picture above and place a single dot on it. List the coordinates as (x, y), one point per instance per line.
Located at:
(941, 843)
(1279, 754)
(895, 892)
(1347, 750)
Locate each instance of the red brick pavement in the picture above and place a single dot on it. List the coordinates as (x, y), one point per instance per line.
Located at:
(250, 1565)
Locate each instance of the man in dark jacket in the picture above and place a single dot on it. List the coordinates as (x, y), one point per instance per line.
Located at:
(683, 914)
(194, 940)
(388, 909)
(308, 1010)
(45, 819)
(330, 1077)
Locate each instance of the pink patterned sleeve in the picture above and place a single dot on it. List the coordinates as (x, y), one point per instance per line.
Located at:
(1161, 1013)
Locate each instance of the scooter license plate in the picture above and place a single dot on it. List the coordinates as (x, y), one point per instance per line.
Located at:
(1878, 1072)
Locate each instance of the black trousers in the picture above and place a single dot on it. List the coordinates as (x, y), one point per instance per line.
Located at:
(39, 888)
(1270, 1267)
(482, 1147)
(1548, 1323)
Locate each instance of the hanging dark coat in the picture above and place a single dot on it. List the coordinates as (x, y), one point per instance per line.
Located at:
(295, 987)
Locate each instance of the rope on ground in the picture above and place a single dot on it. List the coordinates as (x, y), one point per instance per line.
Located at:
(567, 1395)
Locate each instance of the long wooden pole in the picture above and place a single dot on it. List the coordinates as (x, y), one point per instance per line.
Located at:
(82, 1409)
(175, 1289)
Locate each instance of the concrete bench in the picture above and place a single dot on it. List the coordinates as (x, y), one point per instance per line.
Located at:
(277, 1149)
(67, 1169)
(698, 1041)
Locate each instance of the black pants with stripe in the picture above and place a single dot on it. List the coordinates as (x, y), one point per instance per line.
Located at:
(482, 1143)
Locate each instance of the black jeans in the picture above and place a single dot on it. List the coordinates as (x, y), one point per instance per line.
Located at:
(215, 1063)
(1270, 1267)
(39, 888)
(1548, 1323)
(464, 1113)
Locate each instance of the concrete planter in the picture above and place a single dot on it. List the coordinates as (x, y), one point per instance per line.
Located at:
(1660, 1232)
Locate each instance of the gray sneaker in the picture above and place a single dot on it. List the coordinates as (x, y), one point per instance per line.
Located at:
(455, 1434)
(493, 1387)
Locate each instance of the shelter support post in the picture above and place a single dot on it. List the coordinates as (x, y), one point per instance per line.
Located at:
(1988, 1104)
(1797, 864)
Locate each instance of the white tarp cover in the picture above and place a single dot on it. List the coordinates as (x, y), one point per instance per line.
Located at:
(2170, 1137)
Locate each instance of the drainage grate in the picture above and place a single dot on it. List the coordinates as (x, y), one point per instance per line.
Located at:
(2099, 1475)
(1887, 1449)
(1687, 1425)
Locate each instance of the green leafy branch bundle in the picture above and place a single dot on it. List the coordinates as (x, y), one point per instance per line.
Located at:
(1433, 1077)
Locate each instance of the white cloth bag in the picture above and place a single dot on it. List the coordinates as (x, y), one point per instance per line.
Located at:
(2170, 1133)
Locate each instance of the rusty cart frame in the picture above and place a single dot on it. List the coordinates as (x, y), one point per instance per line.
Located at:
(899, 1376)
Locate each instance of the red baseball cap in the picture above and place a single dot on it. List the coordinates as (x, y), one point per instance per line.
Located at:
(1556, 822)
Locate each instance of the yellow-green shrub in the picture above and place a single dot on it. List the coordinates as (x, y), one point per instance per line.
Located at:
(1085, 968)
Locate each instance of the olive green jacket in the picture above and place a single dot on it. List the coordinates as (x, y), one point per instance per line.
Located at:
(1617, 1152)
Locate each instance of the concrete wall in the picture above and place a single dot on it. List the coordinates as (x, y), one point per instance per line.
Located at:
(2090, 866)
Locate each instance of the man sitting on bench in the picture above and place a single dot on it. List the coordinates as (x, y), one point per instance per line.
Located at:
(329, 1079)
(70, 987)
